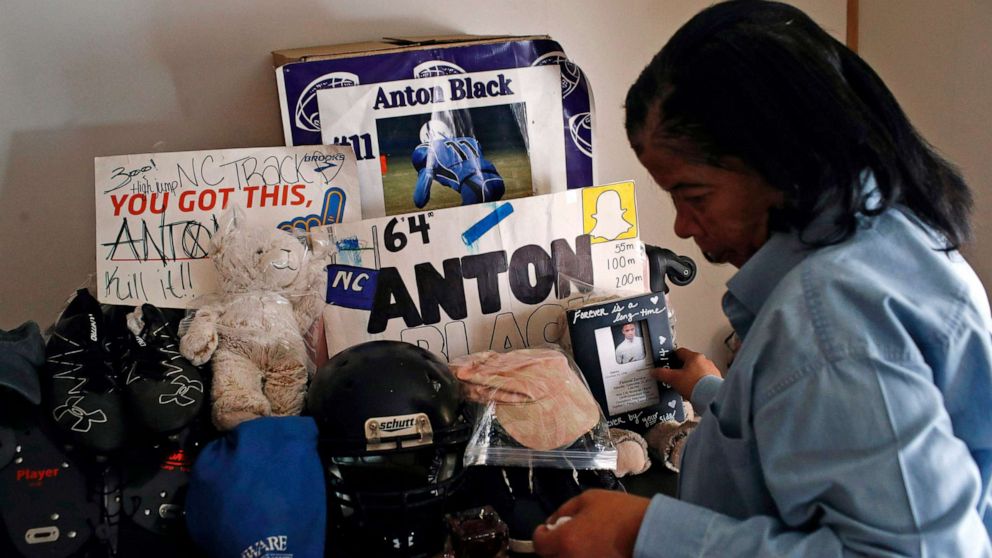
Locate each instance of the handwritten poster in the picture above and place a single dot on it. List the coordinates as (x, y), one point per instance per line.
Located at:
(156, 212)
(493, 276)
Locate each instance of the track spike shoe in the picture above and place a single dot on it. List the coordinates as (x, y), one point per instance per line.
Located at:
(153, 519)
(164, 392)
(47, 508)
(116, 337)
(83, 396)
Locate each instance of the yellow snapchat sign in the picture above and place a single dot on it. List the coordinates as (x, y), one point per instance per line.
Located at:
(609, 212)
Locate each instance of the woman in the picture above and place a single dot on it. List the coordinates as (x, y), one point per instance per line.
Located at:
(854, 418)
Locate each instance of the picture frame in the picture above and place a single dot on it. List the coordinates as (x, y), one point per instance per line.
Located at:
(616, 344)
(520, 124)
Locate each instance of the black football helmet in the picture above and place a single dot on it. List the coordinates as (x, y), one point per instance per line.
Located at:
(393, 428)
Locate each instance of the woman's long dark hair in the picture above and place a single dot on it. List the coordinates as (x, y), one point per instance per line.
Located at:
(760, 81)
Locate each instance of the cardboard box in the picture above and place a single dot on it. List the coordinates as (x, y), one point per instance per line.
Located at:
(301, 72)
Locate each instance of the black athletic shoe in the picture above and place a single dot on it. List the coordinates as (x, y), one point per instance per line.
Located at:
(153, 506)
(83, 397)
(116, 337)
(47, 508)
(164, 392)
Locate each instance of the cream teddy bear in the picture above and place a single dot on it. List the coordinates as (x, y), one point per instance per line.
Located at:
(252, 330)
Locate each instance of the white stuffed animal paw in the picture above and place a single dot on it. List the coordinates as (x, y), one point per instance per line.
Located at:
(199, 343)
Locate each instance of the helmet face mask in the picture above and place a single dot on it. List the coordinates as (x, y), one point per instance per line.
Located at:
(434, 130)
(390, 505)
(392, 434)
(396, 472)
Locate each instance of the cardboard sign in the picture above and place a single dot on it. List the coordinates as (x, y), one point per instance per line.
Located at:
(494, 276)
(616, 344)
(155, 213)
(302, 72)
(483, 136)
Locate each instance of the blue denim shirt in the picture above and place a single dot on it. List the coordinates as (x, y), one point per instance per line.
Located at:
(857, 415)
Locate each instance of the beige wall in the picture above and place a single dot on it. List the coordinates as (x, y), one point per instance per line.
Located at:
(936, 57)
(701, 324)
(86, 79)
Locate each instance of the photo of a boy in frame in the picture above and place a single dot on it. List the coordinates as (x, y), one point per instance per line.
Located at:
(629, 343)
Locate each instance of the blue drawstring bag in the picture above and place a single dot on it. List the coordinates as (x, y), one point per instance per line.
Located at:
(258, 491)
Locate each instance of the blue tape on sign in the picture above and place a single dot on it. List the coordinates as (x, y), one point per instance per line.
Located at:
(350, 286)
(476, 231)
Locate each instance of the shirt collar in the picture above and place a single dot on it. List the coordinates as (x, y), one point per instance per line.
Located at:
(751, 286)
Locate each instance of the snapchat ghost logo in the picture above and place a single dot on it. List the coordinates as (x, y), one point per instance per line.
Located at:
(609, 212)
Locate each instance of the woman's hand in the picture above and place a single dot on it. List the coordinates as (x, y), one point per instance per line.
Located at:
(602, 524)
(694, 367)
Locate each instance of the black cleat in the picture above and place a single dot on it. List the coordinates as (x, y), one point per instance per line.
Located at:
(83, 397)
(47, 508)
(116, 337)
(164, 392)
(153, 507)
